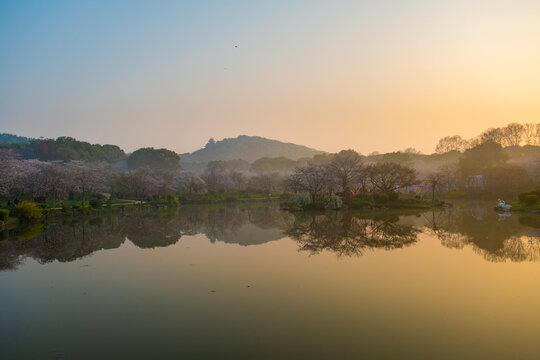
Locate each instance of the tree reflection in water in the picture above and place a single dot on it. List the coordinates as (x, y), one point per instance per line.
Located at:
(75, 239)
(347, 234)
(496, 237)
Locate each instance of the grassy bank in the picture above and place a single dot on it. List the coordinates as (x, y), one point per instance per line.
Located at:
(368, 203)
(522, 207)
(241, 196)
(28, 211)
(528, 201)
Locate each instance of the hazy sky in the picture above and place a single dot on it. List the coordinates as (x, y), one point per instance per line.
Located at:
(373, 75)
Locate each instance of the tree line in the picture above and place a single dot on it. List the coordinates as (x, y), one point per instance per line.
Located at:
(346, 173)
(513, 134)
(64, 149)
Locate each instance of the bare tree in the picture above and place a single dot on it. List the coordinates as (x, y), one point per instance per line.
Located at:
(513, 134)
(435, 181)
(311, 179)
(346, 167)
(449, 174)
(385, 177)
(451, 143)
(493, 134)
(531, 134)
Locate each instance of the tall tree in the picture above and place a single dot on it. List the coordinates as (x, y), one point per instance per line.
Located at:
(158, 159)
(311, 179)
(385, 177)
(451, 143)
(513, 134)
(346, 167)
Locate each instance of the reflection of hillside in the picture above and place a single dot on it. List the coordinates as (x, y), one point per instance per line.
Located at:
(67, 242)
(350, 235)
(150, 231)
(246, 226)
(497, 237)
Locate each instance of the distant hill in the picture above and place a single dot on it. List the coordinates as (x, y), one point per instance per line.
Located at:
(249, 148)
(13, 139)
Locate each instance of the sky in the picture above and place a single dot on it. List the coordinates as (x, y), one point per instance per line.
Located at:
(371, 76)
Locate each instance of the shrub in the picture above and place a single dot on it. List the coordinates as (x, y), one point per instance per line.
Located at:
(168, 200)
(535, 191)
(334, 202)
(76, 207)
(302, 199)
(393, 196)
(28, 210)
(4, 214)
(360, 203)
(531, 200)
(522, 196)
(65, 208)
(172, 200)
(315, 206)
(380, 198)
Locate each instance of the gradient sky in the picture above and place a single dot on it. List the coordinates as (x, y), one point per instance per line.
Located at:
(372, 76)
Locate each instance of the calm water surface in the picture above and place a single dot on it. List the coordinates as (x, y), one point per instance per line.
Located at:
(255, 282)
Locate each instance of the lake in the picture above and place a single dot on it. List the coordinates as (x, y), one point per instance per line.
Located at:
(255, 282)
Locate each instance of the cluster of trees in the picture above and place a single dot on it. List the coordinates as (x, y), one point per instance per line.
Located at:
(159, 159)
(483, 168)
(57, 180)
(513, 134)
(12, 139)
(345, 172)
(153, 174)
(67, 168)
(65, 149)
(219, 177)
(50, 180)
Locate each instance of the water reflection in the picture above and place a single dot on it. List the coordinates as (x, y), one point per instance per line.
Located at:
(72, 240)
(496, 238)
(350, 235)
